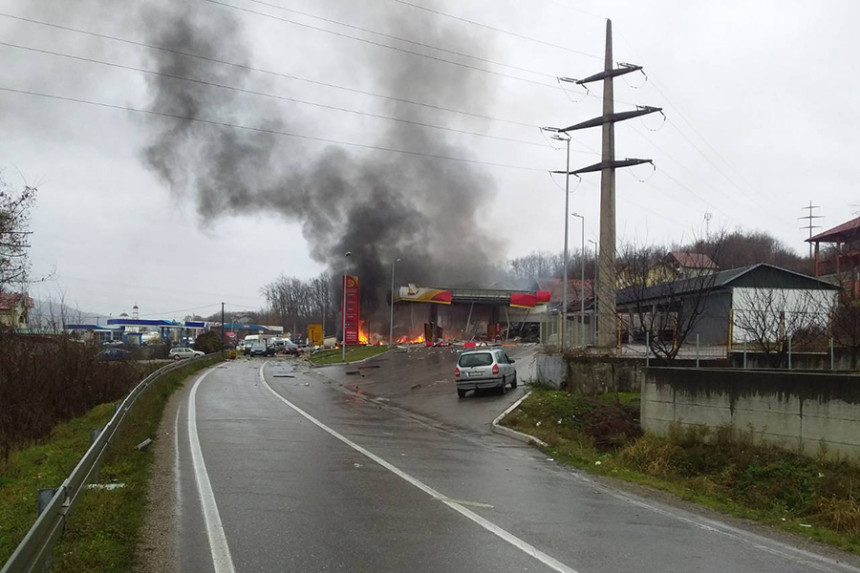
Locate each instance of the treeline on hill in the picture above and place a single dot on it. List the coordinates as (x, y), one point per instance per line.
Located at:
(730, 250)
(48, 380)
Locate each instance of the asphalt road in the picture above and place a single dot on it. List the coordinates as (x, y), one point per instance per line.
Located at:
(386, 469)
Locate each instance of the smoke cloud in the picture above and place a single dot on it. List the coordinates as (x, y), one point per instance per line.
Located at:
(380, 206)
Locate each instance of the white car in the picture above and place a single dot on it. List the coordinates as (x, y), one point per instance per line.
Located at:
(484, 369)
(180, 353)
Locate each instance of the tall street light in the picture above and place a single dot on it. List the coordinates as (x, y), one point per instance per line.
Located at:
(343, 311)
(391, 323)
(582, 285)
(560, 136)
(594, 286)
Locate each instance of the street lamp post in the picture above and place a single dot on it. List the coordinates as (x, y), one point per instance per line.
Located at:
(391, 322)
(582, 285)
(560, 136)
(343, 311)
(594, 287)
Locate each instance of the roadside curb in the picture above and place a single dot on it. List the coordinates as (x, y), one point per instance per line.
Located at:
(521, 436)
(312, 365)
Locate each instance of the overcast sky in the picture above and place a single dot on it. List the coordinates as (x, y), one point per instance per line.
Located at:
(759, 96)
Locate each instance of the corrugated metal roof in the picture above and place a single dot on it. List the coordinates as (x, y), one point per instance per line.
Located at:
(693, 260)
(714, 281)
(846, 231)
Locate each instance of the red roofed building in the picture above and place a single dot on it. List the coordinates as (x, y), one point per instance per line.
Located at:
(842, 260)
(14, 310)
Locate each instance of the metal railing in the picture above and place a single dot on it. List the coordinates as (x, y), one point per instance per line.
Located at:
(34, 553)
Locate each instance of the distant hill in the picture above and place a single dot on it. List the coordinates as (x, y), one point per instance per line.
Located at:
(50, 315)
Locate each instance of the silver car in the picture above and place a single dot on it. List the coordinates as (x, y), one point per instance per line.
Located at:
(490, 368)
(180, 353)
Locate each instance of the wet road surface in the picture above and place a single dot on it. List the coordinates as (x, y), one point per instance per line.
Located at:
(285, 468)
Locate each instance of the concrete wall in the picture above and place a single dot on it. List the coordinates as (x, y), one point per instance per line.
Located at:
(550, 369)
(798, 410)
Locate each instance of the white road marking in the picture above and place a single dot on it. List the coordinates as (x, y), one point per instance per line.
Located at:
(524, 546)
(221, 559)
(177, 476)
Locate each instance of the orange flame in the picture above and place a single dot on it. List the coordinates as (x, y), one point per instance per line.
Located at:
(411, 339)
(362, 335)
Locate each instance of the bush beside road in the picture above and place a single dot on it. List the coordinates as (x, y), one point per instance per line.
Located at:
(729, 471)
(104, 527)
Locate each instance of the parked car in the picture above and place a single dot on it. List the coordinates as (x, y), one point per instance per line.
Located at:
(484, 369)
(277, 344)
(180, 353)
(291, 347)
(113, 355)
(260, 349)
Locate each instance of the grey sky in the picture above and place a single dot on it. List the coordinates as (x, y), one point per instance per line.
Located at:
(759, 99)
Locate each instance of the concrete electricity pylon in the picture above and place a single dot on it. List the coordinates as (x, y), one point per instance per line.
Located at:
(606, 322)
(810, 219)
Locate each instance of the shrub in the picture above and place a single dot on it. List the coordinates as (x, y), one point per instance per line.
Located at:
(208, 342)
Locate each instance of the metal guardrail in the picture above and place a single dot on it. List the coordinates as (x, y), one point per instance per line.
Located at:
(35, 550)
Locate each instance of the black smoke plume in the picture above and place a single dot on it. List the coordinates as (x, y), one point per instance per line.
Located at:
(380, 206)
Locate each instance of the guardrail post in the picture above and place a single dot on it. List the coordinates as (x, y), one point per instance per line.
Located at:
(46, 494)
(647, 349)
(96, 475)
(832, 357)
(116, 406)
(789, 352)
(697, 350)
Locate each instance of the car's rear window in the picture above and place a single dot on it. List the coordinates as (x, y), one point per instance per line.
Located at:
(478, 359)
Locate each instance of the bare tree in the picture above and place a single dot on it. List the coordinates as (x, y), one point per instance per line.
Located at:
(14, 219)
(845, 326)
(774, 320)
(660, 309)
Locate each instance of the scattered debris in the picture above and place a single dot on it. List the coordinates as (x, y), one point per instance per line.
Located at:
(417, 386)
(369, 366)
(353, 372)
(804, 525)
(282, 376)
(550, 460)
(357, 465)
(306, 384)
(144, 444)
(105, 486)
(598, 462)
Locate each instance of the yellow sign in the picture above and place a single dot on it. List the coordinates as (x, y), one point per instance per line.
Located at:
(315, 334)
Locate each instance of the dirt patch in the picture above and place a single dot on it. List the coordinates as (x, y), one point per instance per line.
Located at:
(156, 552)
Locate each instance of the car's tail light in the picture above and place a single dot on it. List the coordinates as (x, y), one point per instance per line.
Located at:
(456, 372)
(495, 369)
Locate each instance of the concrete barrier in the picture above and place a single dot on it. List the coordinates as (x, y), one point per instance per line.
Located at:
(805, 411)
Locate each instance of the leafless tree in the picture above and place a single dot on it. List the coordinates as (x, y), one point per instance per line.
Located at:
(774, 320)
(845, 326)
(660, 309)
(14, 233)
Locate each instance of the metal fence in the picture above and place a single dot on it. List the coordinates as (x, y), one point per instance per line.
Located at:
(34, 553)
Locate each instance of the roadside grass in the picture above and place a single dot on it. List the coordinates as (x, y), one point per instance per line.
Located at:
(353, 354)
(104, 527)
(725, 470)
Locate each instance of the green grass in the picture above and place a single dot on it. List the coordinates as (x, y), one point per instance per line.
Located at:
(105, 525)
(725, 470)
(353, 354)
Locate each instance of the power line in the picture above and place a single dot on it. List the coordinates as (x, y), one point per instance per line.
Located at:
(381, 45)
(268, 72)
(265, 130)
(499, 30)
(269, 95)
(401, 39)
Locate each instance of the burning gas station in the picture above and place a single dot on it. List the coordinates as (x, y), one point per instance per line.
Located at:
(431, 314)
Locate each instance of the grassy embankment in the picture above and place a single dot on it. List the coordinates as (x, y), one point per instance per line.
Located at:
(105, 525)
(353, 354)
(725, 470)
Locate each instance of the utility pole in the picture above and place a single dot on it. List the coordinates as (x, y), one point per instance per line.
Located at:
(810, 219)
(708, 217)
(391, 323)
(607, 166)
(222, 328)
